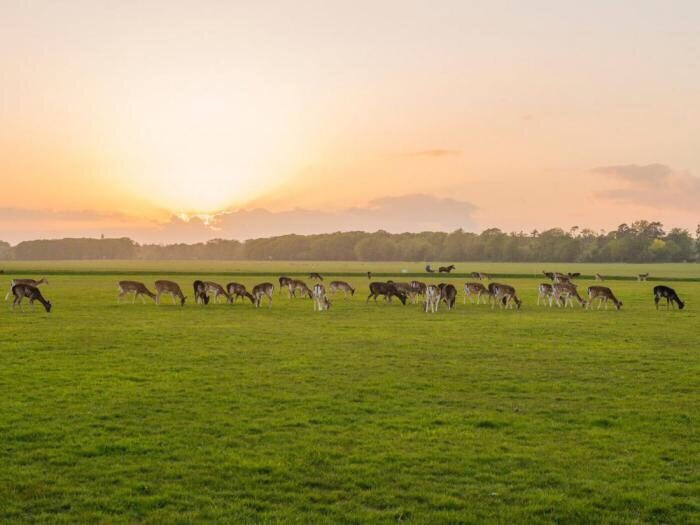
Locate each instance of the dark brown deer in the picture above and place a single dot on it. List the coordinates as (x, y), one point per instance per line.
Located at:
(446, 269)
(388, 290)
(284, 282)
(171, 288)
(135, 287)
(448, 294)
(664, 292)
(341, 286)
(20, 291)
(603, 294)
(429, 269)
(200, 292)
(263, 290)
(643, 276)
(236, 290)
(30, 282)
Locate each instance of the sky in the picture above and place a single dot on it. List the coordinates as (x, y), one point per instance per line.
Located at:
(184, 121)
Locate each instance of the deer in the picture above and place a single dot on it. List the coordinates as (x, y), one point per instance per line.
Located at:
(429, 269)
(566, 291)
(315, 276)
(448, 294)
(369, 276)
(432, 298)
(200, 292)
(297, 285)
(599, 277)
(643, 277)
(236, 290)
(135, 287)
(171, 288)
(263, 290)
(475, 289)
(320, 300)
(403, 287)
(388, 290)
(573, 275)
(504, 295)
(341, 286)
(548, 275)
(20, 291)
(284, 282)
(664, 292)
(480, 275)
(416, 288)
(216, 290)
(603, 294)
(545, 293)
(30, 282)
(446, 269)
(561, 278)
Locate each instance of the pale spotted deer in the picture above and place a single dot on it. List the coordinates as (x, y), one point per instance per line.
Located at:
(236, 290)
(416, 288)
(135, 287)
(263, 290)
(544, 293)
(432, 298)
(504, 295)
(565, 292)
(216, 290)
(315, 276)
(30, 282)
(341, 286)
(171, 288)
(20, 291)
(599, 277)
(603, 294)
(475, 289)
(320, 300)
(296, 285)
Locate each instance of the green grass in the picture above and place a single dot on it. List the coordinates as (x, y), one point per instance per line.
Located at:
(364, 413)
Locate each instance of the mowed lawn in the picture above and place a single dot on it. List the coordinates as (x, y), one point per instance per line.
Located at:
(365, 413)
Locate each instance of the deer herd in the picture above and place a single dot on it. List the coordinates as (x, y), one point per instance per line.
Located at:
(560, 291)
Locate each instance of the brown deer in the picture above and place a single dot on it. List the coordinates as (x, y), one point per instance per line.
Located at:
(263, 290)
(236, 290)
(446, 269)
(200, 292)
(480, 275)
(284, 282)
(135, 287)
(296, 285)
(544, 293)
(565, 291)
(504, 295)
(388, 290)
(171, 288)
(599, 277)
(603, 294)
(315, 276)
(30, 282)
(416, 288)
(20, 291)
(216, 290)
(643, 276)
(448, 294)
(475, 289)
(320, 300)
(669, 294)
(341, 286)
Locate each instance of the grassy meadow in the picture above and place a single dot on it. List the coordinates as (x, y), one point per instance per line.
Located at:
(364, 413)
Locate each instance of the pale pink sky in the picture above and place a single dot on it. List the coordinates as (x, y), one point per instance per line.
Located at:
(264, 118)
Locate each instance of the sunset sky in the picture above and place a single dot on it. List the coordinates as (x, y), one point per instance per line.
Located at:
(173, 120)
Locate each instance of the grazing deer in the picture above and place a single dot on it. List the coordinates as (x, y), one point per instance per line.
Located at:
(200, 292)
(315, 276)
(429, 269)
(403, 287)
(300, 286)
(446, 269)
(171, 288)
(548, 275)
(545, 293)
(432, 298)
(30, 282)
(573, 275)
(216, 290)
(480, 275)
(669, 294)
(263, 290)
(20, 291)
(284, 282)
(320, 300)
(475, 289)
(643, 276)
(236, 290)
(561, 278)
(137, 288)
(602, 293)
(388, 290)
(341, 286)
(504, 295)
(565, 291)
(448, 294)
(599, 277)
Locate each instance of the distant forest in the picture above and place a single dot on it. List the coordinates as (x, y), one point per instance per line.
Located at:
(641, 241)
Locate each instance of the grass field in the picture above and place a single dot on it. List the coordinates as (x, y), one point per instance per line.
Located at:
(365, 413)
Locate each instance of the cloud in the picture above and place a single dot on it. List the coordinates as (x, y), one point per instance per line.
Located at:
(435, 153)
(654, 185)
(416, 212)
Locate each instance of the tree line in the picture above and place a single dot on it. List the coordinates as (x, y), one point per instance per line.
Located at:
(641, 241)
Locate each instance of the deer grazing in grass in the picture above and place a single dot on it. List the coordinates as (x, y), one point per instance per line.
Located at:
(573, 275)
(296, 285)
(30, 282)
(320, 300)
(432, 298)
(236, 290)
(284, 282)
(599, 277)
(548, 275)
(341, 286)
(544, 293)
(200, 292)
(260, 291)
(315, 276)
(564, 292)
(480, 275)
(603, 294)
(171, 288)
(135, 287)
(475, 289)
(643, 276)
(664, 292)
(448, 294)
(446, 269)
(20, 291)
(216, 290)
(504, 295)
(388, 290)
